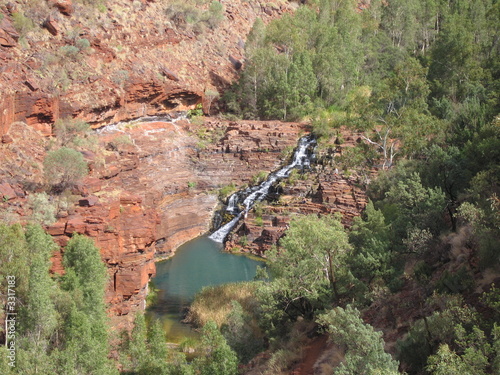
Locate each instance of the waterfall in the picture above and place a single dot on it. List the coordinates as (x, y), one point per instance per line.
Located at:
(257, 193)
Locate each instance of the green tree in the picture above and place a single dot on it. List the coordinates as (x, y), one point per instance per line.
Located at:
(85, 327)
(417, 207)
(239, 332)
(217, 358)
(363, 346)
(446, 361)
(64, 167)
(370, 237)
(68, 131)
(145, 351)
(14, 261)
(305, 270)
(39, 316)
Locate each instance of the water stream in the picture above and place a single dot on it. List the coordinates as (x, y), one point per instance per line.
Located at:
(252, 195)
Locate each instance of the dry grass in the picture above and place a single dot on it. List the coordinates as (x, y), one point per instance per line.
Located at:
(214, 302)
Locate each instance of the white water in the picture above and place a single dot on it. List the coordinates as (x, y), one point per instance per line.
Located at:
(258, 193)
(119, 126)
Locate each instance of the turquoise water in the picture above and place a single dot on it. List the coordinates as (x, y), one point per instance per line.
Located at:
(196, 264)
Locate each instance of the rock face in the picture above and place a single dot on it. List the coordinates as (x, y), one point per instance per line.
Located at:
(92, 63)
(156, 186)
(322, 190)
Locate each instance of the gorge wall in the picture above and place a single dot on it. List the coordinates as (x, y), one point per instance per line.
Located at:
(118, 61)
(153, 185)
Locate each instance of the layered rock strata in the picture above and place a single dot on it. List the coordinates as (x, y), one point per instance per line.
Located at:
(118, 61)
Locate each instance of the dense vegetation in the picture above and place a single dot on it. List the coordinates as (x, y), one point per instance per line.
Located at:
(421, 80)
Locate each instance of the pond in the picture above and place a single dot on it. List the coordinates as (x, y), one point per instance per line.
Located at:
(196, 264)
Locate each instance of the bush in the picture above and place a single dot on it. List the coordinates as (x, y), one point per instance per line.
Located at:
(120, 77)
(69, 51)
(67, 130)
(82, 44)
(215, 14)
(43, 212)
(259, 178)
(215, 303)
(226, 190)
(22, 23)
(64, 167)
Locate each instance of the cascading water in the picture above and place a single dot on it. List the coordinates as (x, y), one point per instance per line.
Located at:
(250, 196)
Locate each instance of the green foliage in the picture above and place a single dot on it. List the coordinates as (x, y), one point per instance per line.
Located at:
(258, 178)
(241, 333)
(82, 44)
(22, 23)
(364, 348)
(458, 281)
(61, 330)
(85, 327)
(215, 303)
(123, 139)
(259, 221)
(306, 275)
(215, 15)
(41, 317)
(145, 352)
(370, 237)
(120, 77)
(86, 271)
(43, 211)
(445, 362)
(196, 112)
(456, 325)
(226, 190)
(14, 260)
(64, 167)
(187, 15)
(67, 130)
(69, 51)
(217, 357)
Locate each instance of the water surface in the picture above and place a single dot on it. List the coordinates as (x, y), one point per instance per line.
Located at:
(196, 264)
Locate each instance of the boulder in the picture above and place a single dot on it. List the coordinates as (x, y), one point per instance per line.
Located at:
(236, 63)
(64, 6)
(8, 34)
(51, 25)
(89, 201)
(169, 74)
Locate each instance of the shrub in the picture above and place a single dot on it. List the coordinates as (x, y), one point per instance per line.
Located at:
(82, 44)
(43, 211)
(226, 190)
(64, 167)
(120, 77)
(181, 13)
(211, 95)
(259, 177)
(69, 51)
(215, 14)
(22, 23)
(67, 130)
(259, 221)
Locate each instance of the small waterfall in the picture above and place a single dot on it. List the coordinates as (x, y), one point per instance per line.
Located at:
(252, 195)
